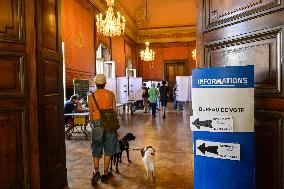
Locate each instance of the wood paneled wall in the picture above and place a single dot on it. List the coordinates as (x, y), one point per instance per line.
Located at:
(243, 33)
(78, 35)
(32, 148)
(17, 117)
(154, 70)
(78, 22)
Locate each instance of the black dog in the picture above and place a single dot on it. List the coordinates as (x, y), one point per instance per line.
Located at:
(124, 145)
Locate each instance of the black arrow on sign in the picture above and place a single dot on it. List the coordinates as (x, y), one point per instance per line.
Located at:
(211, 149)
(206, 123)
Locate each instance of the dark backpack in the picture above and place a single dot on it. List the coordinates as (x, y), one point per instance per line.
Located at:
(145, 94)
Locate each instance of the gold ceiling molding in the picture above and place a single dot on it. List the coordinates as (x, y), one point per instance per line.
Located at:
(157, 35)
(131, 29)
(162, 35)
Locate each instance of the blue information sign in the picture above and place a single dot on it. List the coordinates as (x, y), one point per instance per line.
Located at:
(223, 99)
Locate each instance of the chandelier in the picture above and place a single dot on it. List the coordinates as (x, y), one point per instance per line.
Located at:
(147, 54)
(110, 26)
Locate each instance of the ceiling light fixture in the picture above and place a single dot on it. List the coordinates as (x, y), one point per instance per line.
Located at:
(110, 26)
(147, 54)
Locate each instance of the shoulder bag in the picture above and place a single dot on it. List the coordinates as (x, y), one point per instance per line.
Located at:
(108, 121)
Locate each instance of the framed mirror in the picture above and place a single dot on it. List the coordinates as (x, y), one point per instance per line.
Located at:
(130, 72)
(102, 55)
(109, 69)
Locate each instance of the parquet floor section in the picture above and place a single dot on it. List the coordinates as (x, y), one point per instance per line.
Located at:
(171, 139)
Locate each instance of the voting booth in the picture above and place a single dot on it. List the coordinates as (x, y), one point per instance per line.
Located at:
(128, 89)
(135, 88)
(122, 90)
(223, 127)
(111, 84)
(183, 91)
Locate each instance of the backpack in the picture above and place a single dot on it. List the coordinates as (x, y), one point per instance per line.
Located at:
(108, 121)
(145, 93)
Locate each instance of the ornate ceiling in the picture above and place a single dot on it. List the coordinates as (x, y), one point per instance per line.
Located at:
(149, 14)
(156, 20)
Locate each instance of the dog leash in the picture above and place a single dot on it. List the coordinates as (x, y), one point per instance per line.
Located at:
(135, 149)
(129, 147)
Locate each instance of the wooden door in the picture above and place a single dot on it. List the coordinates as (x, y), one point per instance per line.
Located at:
(50, 95)
(32, 149)
(251, 32)
(19, 165)
(173, 70)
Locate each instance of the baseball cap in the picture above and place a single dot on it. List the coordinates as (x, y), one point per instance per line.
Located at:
(100, 79)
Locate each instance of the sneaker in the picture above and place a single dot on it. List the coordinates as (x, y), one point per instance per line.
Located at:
(164, 116)
(105, 178)
(95, 178)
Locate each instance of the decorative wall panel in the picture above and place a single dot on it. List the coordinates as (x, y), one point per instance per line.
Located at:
(155, 70)
(52, 135)
(78, 35)
(49, 24)
(259, 49)
(73, 74)
(11, 20)
(51, 81)
(222, 12)
(128, 51)
(13, 148)
(118, 55)
(13, 76)
(53, 172)
(269, 133)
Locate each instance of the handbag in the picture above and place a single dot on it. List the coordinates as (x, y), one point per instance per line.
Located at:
(108, 121)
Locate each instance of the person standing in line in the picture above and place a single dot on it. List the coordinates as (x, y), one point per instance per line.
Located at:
(175, 97)
(153, 99)
(145, 96)
(102, 141)
(158, 98)
(164, 92)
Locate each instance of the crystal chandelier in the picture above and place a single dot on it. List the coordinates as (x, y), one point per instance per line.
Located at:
(110, 26)
(147, 54)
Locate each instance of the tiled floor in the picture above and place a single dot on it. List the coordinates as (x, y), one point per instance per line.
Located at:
(171, 139)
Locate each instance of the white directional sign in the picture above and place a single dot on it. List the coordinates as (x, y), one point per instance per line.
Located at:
(230, 151)
(211, 123)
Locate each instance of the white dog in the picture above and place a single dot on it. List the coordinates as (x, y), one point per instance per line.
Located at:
(148, 157)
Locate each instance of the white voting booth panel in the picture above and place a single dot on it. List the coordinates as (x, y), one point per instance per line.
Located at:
(121, 92)
(183, 92)
(111, 84)
(148, 84)
(190, 89)
(135, 88)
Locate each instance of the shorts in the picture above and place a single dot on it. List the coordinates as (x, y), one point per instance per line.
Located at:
(164, 103)
(103, 141)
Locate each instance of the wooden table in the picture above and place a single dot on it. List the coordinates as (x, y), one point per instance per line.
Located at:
(79, 120)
